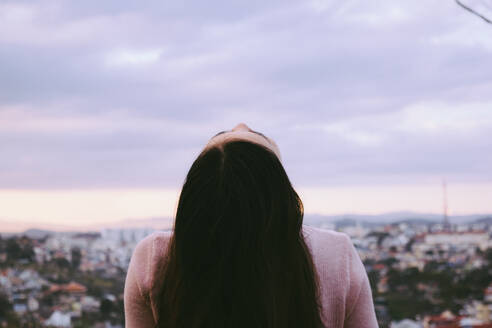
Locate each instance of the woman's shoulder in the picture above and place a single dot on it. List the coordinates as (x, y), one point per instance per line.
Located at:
(323, 239)
(332, 251)
(341, 272)
(147, 256)
(146, 248)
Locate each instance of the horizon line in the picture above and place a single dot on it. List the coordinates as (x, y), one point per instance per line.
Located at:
(158, 223)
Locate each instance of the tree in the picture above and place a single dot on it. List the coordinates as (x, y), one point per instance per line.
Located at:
(7, 315)
(62, 263)
(13, 249)
(5, 305)
(76, 257)
(488, 256)
(19, 249)
(374, 277)
(106, 308)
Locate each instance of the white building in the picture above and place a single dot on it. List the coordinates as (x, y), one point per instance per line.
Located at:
(58, 319)
(479, 239)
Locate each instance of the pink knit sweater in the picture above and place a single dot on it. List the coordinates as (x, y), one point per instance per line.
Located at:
(345, 291)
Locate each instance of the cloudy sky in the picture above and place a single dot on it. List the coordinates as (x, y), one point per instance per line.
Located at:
(104, 105)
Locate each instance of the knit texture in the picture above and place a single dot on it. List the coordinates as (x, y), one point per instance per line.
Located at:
(345, 293)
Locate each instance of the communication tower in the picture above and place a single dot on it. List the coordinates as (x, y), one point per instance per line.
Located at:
(445, 220)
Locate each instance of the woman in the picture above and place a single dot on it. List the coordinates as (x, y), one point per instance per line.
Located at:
(239, 255)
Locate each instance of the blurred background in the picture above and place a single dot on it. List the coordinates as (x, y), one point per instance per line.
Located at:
(382, 112)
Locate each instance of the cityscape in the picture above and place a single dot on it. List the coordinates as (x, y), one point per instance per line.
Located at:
(423, 273)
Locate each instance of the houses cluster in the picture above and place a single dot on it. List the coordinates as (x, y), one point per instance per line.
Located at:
(409, 245)
(64, 277)
(34, 298)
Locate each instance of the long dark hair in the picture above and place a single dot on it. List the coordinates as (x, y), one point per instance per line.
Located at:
(237, 257)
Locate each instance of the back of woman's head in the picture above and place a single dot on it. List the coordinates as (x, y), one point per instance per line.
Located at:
(237, 257)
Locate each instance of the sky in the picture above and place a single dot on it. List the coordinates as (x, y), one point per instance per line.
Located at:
(105, 105)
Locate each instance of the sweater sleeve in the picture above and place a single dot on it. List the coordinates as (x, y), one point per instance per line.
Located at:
(360, 307)
(138, 312)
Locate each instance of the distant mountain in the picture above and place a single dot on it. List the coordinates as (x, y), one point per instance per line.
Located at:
(417, 221)
(37, 233)
(154, 223)
(371, 220)
(468, 218)
(486, 220)
(36, 229)
(162, 223)
(390, 218)
(350, 222)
